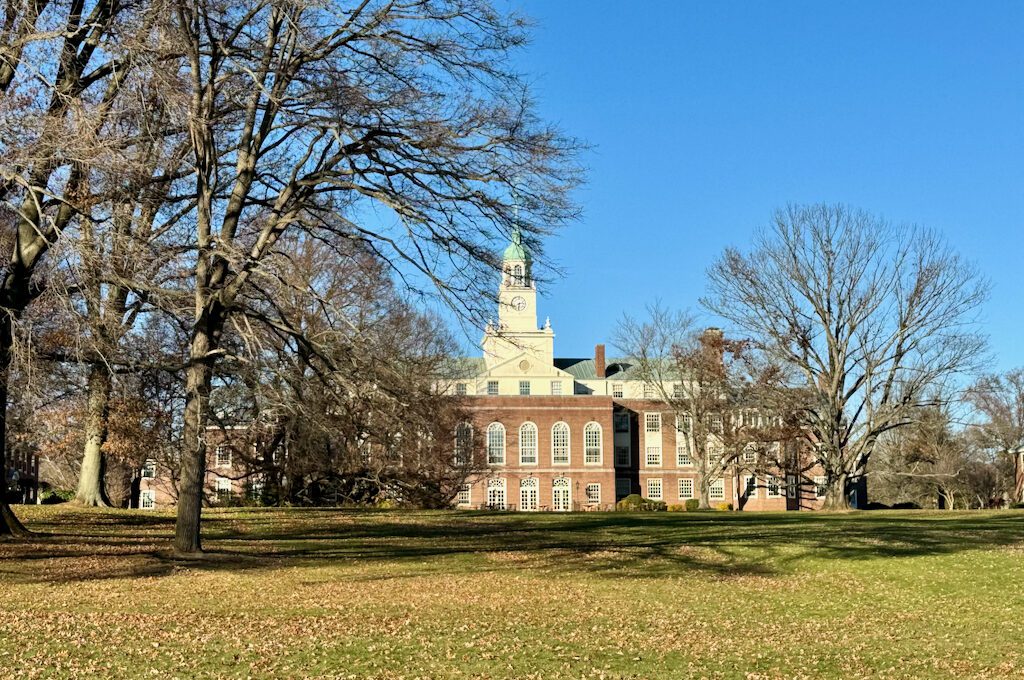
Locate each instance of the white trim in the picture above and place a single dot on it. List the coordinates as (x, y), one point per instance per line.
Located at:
(600, 443)
(568, 444)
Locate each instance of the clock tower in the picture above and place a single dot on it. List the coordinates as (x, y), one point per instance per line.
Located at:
(517, 330)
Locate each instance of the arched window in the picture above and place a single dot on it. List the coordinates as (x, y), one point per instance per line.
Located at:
(529, 494)
(528, 444)
(517, 275)
(495, 444)
(560, 444)
(592, 444)
(561, 495)
(463, 443)
(496, 494)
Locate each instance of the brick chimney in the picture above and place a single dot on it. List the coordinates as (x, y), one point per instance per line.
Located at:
(599, 365)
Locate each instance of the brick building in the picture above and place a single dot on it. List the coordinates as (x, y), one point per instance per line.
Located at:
(581, 433)
(21, 477)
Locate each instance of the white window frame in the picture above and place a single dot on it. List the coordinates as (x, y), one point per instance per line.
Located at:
(147, 499)
(524, 388)
(148, 469)
(653, 482)
(617, 390)
(716, 492)
(790, 486)
(773, 482)
(529, 450)
(497, 493)
(683, 457)
(556, 388)
(219, 459)
(460, 389)
(650, 391)
(492, 442)
(749, 490)
(463, 454)
(593, 493)
(222, 486)
(686, 488)
(492, 388)
(465, 495)
(561, 483)
(652, 423)
(529, 494)
(820, 490)
(556, 449)
(593, 452)
(653, 456)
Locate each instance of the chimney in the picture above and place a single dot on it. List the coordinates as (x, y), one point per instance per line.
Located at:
(599, 365)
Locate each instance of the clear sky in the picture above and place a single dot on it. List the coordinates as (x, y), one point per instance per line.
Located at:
(705, 116)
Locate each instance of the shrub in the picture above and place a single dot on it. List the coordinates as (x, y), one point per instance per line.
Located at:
(54, 496)
(692, 505)
(1018, 506)
(677, 507)
(634, 502)
(723, 506)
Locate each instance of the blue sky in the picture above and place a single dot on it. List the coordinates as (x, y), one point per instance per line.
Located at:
(705, 116)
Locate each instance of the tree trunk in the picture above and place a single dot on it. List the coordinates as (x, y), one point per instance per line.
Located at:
(91, 491)
(193, 454)
(9, 523)
(704, 485)
(837, 497)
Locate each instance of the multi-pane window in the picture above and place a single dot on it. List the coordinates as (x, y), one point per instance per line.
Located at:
(149, 469)
(593, 494)
(654, 489)
(495, 444)
(529, 494)
(496, 494)
(750, 486)
(222, 456)
(683, 458)
(561, 495)
(147, 500)
(716, 492)
(652, 422)
(650, 391)
(653, 456)
(622, 456)
(621, 421)
(750, 456)
(790, 486)
(560, 444)
(460, 389)
(492, 387)
(716, 424)
(256, 488)
(686, 422)
(685, 489)
(677, 390)
(463, 443)
(820, 489)
(465, 495)
(773, 487)
(528, 444)
(592, 443)
(556, 387)
(524, 387)
(623, 487)
(223, 488)
(617, 390)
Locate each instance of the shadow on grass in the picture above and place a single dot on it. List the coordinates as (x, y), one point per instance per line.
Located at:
(88, 545)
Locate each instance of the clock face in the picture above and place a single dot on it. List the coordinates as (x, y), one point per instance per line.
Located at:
(518, 303)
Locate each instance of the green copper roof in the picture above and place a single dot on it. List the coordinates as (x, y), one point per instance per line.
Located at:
(515, 250)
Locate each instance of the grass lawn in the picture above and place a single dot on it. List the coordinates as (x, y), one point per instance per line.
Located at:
(296, 593)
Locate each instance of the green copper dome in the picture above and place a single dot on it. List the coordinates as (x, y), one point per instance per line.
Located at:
(515, 250)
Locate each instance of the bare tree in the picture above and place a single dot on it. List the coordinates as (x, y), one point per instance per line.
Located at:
(62, 68)
(713, 388)
(999, 399)
(873, 318)
(399, 124)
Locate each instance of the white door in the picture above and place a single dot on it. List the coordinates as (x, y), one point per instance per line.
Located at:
(528, 494)
(561, 495)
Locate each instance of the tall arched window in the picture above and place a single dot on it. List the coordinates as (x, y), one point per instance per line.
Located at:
(561, 495)
(517, 275)
(529, 494)
(463, 443)
(495, 444)
(560, 444)
(592, 444)
(528, 444)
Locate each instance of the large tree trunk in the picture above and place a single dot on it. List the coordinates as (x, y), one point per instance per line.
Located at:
(836, 495)
(9, 523)
(193, 454)
(91, 491)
